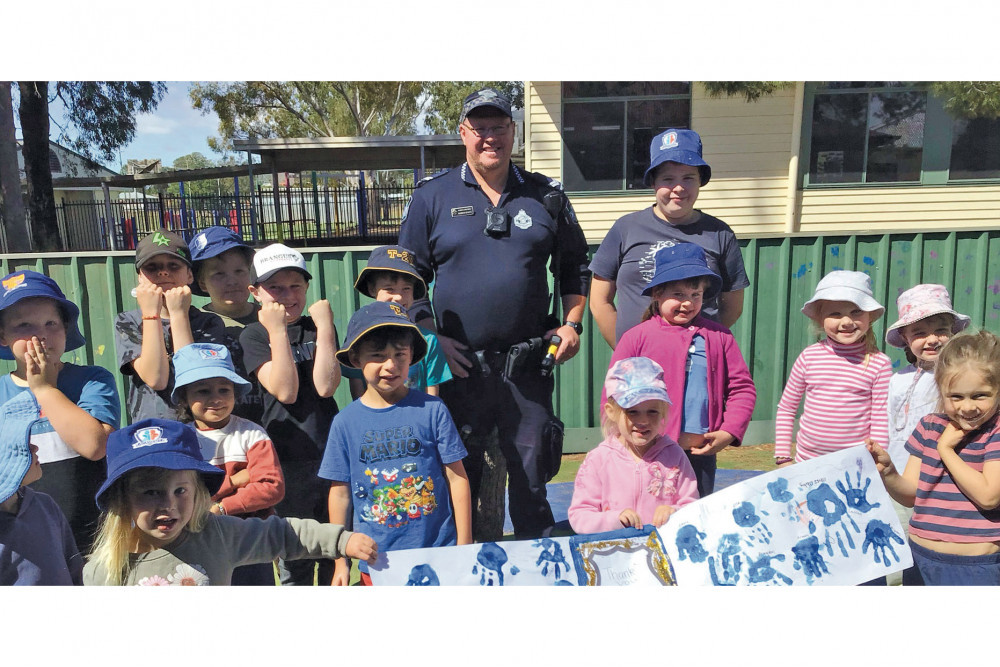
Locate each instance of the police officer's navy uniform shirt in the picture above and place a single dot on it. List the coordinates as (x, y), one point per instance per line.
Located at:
(491, 292)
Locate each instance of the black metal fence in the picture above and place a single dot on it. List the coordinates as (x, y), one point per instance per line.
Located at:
(310, 216)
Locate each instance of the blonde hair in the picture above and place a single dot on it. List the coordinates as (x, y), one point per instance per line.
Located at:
(980, 350)
(612, 411)
(116, 533)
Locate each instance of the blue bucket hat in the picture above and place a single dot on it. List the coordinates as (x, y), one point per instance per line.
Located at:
(392, 258)
(681, 146)
(680, 262)
(200, 361)
(156, 443)
(380, 314)
(212, 242)
(25, 284)
(17, 416)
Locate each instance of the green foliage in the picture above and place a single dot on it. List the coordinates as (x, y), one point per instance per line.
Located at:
(969, 99)
(104, 112)
(751, 90)
(445, 101)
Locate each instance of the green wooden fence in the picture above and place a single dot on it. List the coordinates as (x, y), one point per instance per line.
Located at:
(783, 272)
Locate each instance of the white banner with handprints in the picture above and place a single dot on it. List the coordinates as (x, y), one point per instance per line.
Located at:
(828, 520)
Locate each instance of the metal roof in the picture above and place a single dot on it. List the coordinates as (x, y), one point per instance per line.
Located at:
(426, 151)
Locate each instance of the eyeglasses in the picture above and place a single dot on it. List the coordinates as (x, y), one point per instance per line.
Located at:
(495, 131)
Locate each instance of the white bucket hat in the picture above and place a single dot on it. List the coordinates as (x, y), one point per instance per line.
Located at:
(921, 302)
(853, 286)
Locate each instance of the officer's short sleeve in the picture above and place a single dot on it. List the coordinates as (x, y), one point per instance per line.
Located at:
(415, 231)
(574, 274)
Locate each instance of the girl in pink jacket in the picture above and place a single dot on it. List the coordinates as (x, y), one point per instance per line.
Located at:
(636, 475)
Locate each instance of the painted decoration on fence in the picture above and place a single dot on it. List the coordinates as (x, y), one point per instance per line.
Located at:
(541, 562)
(826, 521)
(627, 557)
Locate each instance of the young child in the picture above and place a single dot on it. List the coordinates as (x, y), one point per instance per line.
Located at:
(392, 276)
(952, 478)
(165, 321)
(636, 475)
(207, 387)
(926, 322)
(702, 363)
(157, 530)
(221, 263)
(292, 356)
(78, 405)
(844, 378)
(36, 545)
(394, 452)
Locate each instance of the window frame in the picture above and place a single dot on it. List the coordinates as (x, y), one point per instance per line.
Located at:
(623, 191)
(935, 162)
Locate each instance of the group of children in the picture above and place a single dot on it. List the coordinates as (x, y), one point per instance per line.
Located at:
(237, 454)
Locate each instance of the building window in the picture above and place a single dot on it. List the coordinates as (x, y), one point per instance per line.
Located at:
(608, 125)
(894, 132)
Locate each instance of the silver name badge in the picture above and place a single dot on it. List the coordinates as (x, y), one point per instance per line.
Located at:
(462, 210)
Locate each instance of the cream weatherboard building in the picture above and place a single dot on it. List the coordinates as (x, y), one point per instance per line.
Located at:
(844, 158)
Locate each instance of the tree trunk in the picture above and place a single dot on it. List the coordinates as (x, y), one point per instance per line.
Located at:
(488, 503)
(12, 214)
(34, 114)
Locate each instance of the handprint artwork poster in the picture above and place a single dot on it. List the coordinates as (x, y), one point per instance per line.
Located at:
(825, 521)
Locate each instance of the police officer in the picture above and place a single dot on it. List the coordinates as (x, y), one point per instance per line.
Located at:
(485, 232)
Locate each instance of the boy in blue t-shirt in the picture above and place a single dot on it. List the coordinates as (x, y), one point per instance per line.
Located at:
(78, 405)
(394, 453)
(391, 276)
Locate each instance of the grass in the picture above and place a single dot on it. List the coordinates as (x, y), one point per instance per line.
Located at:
(751, 457)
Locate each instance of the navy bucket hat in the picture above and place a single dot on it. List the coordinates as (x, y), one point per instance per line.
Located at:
(680, 262)
(380, 314)
(25, 284)
(212, 242)
(200, 361)
(681, 146)
(391, 258)
(156, 443)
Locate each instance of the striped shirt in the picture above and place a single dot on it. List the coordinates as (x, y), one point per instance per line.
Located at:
(845, 401)
(941, 511)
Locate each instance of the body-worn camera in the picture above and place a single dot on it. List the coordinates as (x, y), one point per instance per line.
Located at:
(497, 222)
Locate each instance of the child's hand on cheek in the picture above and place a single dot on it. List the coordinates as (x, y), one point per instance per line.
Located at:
(178, 299)
(272, 316)
(629, 518)
(363, 547)
(40, 370)
(321, 313)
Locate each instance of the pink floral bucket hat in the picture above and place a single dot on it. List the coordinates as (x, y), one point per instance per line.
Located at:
(921, 302)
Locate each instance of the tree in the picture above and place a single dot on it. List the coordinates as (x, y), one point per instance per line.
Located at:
(103, 115)
(445, 103)
(751, 90)
(969, 99)
(15, 223)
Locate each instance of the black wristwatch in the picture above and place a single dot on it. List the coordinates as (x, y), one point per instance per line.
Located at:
(577, 326)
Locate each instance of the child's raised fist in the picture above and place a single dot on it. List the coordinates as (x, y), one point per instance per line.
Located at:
(272, 316)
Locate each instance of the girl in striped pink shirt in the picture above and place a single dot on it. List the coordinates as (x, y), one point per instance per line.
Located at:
(952, 478)
(844, 378)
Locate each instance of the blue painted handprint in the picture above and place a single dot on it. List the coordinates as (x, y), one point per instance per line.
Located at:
(729, 550)
(856, 497)
(778, 489)
(808, 559)
(551, 554)
(880, 536)
(745, 516)
(824, 503)
(760, 571)
(689, 544)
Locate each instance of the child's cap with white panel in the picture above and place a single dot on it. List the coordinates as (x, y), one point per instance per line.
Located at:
(921, 302)
(276, 257)
(852, 286)
(633, 380)
(201, 361)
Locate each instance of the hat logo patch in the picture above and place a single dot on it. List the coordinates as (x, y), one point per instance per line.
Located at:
(404, 255)
(209, 354)
(396, 309)
(669, 141)
(160, 239)
(13, 282)
(522, 220)
(149, 436)
(200, 242)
